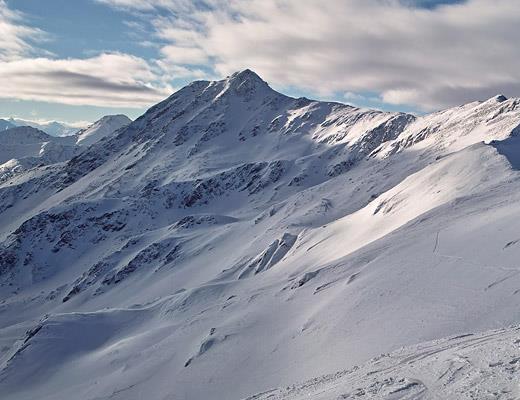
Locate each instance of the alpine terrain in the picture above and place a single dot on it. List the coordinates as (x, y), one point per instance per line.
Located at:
(236, 243)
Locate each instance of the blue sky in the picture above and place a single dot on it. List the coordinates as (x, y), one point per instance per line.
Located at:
(79, 60)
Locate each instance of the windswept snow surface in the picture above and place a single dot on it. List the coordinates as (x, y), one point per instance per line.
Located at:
(233, 240)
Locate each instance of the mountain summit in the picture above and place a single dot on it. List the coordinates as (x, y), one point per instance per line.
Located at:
(245, 80)
(101, 128)
(233, 239)
(246, 75)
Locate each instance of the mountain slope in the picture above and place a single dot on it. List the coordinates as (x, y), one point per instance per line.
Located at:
(233, 239)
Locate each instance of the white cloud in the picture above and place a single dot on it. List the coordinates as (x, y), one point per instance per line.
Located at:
(351, 96)
(184, 6)
(117, 80)
(180, 72)
(15, 37)
(138, 4)
(429, 58)
(184, 55)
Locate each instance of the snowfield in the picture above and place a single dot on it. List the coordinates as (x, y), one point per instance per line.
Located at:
(233, 240)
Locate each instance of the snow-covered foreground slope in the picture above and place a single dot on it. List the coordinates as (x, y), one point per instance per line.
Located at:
(233, 240)
(468, 366)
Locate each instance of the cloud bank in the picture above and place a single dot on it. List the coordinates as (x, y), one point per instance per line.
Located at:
(429, 57)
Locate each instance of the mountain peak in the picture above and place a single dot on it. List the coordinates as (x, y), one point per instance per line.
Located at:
(115, 117)
(246, 77)
(101, 128)
(499, 98)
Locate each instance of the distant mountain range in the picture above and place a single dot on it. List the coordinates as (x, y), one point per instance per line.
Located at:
(25, 147)
(52, 128)
(233, 240)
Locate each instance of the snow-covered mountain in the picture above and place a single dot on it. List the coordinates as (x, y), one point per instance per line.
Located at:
(25, 141)
(233, 240)
(25, 147)
(101, 128)
(53, 128)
